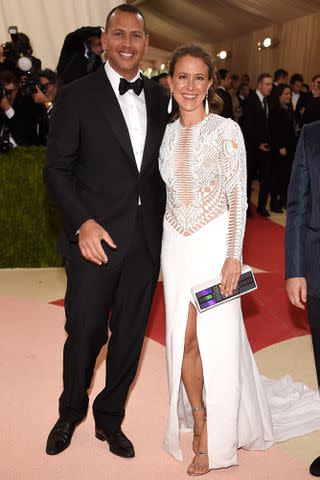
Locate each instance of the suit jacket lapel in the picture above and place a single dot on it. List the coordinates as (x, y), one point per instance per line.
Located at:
(152, 116)
(112, 111)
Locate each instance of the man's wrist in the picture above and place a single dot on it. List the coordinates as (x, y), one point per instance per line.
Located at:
(48, 105)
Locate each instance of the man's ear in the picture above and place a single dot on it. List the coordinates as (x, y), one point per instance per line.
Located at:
(146, 43)
(104, 40)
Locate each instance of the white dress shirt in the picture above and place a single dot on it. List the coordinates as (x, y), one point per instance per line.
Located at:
(9, 113)
(261, 98)
(295, 98)
(134, 111)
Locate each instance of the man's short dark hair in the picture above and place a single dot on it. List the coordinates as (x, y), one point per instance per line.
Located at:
(243, 85)
(222, 73)
(126, 7)
(280, 73)
(296, 77)
(8, 76)
(52, 76)
(262, 76)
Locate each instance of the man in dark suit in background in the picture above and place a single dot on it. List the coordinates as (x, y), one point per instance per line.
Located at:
(102, 173)
(254, 124)
(296, 82)
(224, 83)
(280, 77)
(302, 240)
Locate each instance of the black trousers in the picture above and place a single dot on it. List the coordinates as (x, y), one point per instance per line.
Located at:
(280, 177)
(258, 165)
(264, 169)
(97, 298)
(313, 306)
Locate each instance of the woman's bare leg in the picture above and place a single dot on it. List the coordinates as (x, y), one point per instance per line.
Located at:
(192, 376)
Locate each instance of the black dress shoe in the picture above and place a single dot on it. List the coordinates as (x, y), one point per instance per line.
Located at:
(249, 213)
(119, 444)
(276, 209)
(315, 467)
(60, 436)
(263, 212)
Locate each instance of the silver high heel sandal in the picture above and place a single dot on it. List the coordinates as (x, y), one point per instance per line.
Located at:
(195, 434)
(199, 465)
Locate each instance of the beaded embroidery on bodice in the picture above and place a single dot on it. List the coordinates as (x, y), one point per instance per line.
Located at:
(204, 168)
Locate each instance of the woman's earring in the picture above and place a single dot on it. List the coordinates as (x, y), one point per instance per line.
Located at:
(170, 103)
(206, 108)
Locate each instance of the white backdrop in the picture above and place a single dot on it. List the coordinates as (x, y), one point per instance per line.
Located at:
(47, 22)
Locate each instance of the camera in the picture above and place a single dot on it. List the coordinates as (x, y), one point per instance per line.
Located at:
(28, 84)
(5, 144)
(15, 49)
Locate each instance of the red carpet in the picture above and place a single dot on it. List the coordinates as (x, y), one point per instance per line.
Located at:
(268, 316)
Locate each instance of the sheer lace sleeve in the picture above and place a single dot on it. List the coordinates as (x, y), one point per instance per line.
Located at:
(235, 176)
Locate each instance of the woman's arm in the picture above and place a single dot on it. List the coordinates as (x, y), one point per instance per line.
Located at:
(234, 169)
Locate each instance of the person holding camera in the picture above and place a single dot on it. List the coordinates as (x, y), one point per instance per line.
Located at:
(11, 53)
(80, 54)
(17, 115)
(45, 93)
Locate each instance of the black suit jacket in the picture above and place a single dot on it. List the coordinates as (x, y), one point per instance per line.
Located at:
(91, 171)
(254, 123)
(282, 131)
(302, 241)
(312, 111)
(23, 125)
(225, 96)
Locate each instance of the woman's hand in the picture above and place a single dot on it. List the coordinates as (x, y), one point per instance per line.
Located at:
(230, 274)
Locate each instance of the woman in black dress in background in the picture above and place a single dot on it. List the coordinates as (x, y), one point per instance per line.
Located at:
(284, 141)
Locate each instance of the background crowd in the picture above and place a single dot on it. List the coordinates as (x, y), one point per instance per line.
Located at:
(270, 110)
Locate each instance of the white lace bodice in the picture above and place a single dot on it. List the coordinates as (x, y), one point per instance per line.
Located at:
(204, 168)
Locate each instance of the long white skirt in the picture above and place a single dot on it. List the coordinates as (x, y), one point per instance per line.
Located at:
(244, 409)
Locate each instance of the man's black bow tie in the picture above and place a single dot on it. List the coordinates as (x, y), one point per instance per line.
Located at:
(136, 86)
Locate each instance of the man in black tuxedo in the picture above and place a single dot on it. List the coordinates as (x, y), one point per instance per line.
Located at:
(254, 123)
(302, 241)
(224, 80)
(102, 173)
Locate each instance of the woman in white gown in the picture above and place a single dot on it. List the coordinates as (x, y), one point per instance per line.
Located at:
(215, 388)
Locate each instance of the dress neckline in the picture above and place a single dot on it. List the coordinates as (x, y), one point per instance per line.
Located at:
(195, 124)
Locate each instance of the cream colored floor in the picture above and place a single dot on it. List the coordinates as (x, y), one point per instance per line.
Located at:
(293, 357)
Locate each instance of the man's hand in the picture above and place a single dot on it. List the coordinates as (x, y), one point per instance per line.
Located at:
(4, 104)
(297, 291)
(264, 147)
(283, 152)
(40, 97)
(230, 275)
(90, 236)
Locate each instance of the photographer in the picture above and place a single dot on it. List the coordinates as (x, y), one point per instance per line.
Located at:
(11, 52)
(18, 124)
(80, 54)
(46, 91)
